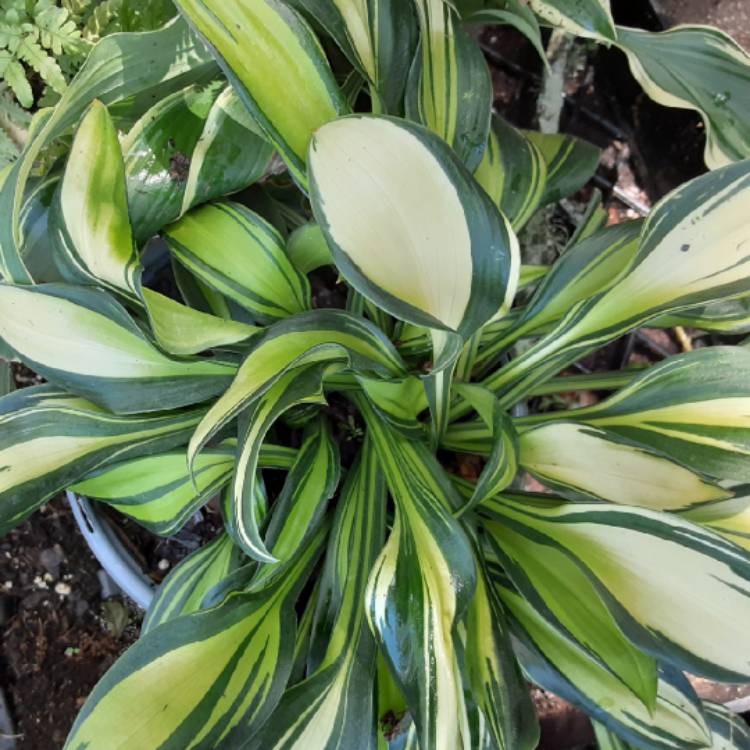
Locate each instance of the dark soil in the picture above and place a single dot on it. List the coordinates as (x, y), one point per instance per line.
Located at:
(58, 636)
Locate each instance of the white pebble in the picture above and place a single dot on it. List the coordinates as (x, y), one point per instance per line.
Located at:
(163, 564)
(62, 588)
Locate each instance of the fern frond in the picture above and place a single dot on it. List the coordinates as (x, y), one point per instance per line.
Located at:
(15, 76)
(58, 31)
(32, 53)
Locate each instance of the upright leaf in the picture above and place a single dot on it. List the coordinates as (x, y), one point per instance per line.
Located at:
(91, 219)
(571, 163)
(265, 48)
(586, 268)
(493, 674)
(515, 14)
(449, 89)
(413, 232)
(502, 464)
(513, 172)
(408, 226)
(128, 70)
(302, 503)
(420, 587)
(377, 36)
(333, 709)
(318, 463)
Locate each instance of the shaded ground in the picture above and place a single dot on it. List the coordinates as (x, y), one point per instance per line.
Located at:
(58, 634)
(732, 16)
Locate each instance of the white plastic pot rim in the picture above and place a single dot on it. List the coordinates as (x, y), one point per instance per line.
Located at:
(109, 551)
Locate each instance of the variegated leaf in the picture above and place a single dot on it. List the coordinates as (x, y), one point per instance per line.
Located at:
(507, 720)
(307, 248)
(446, 258)
(700, 68)
(333, 709)
(513, 172)
(420, 587)
(562, 455)
(238, 253)
(90, 220)
(300, 507)
(377, 36)
(693, 407)
(502, 464)
(264, 47)
(314, 337)
(186, 586)
(449, 89)
(728, 518)
(562, 666)
(561, 593)
(81, 339)
(694, 249)
(301, 385)
(726, 316)
(584, 269)
(50, 439)
(649, 568)
(571, 163)
(728, 731)
(181, 330)
(193, 146)
(451, 259)
(203, 680)
(126, 72)
(160, 493)
(589, 18)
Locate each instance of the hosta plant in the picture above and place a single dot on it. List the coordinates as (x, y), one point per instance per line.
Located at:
(319, 353)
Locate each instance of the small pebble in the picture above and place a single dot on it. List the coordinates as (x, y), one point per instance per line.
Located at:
(8, 585)
(40, 583)
(163, 564)
(62, 588)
